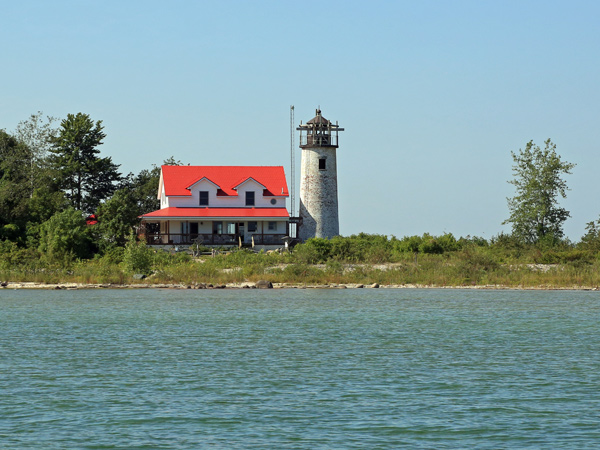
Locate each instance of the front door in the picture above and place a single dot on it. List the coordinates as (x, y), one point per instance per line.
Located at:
(240, 230)
(193, 231)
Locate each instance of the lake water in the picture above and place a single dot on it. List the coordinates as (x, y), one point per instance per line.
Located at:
(299, 369)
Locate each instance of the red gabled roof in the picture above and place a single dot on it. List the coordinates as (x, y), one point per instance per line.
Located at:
(178, 179)
(173, 212)
(92, 219)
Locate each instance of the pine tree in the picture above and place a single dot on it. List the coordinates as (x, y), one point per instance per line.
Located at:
(84, 176)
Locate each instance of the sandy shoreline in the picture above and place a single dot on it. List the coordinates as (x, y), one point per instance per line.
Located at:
(251, 285)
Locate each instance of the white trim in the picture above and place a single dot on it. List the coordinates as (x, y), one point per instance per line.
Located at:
(189, 188)
(245, 181)
(160, 185)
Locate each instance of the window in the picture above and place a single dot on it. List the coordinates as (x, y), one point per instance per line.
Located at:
(252, 227)
(322, 164)
(249, 198)
(203, 198)
(217, 227)
(230, 227)
(272, 226)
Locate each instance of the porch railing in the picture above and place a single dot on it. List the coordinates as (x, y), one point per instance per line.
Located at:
(211, 239)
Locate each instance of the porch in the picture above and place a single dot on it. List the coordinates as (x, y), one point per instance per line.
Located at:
(159, 238)
(214, 233)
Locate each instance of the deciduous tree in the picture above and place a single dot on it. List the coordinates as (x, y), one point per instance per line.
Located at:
(535, 214)
(116, 219)
(591, 239)
(14, 186)
(35, 133)
(144, 188)
(65, 237)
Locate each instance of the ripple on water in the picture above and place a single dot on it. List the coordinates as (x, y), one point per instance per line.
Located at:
(299, 369)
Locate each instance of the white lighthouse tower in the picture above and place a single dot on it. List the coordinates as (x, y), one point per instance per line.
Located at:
(318, 184)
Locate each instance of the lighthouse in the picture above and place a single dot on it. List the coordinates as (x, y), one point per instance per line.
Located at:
(318, 178)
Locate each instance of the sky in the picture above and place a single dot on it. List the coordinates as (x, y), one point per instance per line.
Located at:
(433, 95)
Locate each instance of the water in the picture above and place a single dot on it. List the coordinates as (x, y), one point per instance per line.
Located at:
(299, 369)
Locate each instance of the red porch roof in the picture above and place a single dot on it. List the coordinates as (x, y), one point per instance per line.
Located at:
(217, 213)
(178, 179)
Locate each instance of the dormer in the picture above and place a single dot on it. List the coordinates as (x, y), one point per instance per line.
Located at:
(203, 182)
(204, 192)
(249, 190)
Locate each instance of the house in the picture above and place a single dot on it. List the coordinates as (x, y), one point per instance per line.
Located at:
(219, 205)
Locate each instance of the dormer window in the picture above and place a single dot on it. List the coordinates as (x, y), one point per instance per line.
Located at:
(249, 198)
(203, 198)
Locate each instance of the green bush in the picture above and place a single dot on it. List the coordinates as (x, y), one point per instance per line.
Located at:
(137, 257)
(8, 251)
(10, 231)
(343, 249)
(65, 237)
(112, 255)
(408, 244)
(313, 251)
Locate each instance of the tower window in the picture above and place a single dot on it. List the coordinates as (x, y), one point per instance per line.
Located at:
(322, 164)
(249, 198)
(203, 198)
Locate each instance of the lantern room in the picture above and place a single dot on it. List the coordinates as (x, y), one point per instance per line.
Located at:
(319, 132)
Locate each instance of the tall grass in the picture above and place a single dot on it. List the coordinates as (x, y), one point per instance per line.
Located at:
(363, 259)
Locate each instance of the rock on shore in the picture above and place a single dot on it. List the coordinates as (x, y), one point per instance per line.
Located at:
(264, 284)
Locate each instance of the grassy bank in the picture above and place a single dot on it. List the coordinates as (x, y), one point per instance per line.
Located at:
(310, 264)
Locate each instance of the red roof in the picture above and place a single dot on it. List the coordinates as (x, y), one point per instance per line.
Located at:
(92, 219)
(178, 179)
(174, 212)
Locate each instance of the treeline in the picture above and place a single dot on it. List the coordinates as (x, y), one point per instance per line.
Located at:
(53, 177)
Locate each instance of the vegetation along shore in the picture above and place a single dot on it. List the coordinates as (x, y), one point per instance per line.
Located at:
(357, 261)
(68, 219)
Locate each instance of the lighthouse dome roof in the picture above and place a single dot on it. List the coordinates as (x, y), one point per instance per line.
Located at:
(319, 119)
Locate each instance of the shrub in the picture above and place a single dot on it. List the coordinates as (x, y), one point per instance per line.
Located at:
(10, 231)
(430, 245)
(137, 258)
(113, 255)
(7, 250)
(65, 237)
(313, 251)
(342, 249)
(408, 244)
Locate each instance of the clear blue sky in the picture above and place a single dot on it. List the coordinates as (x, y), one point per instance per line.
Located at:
(433, 94)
